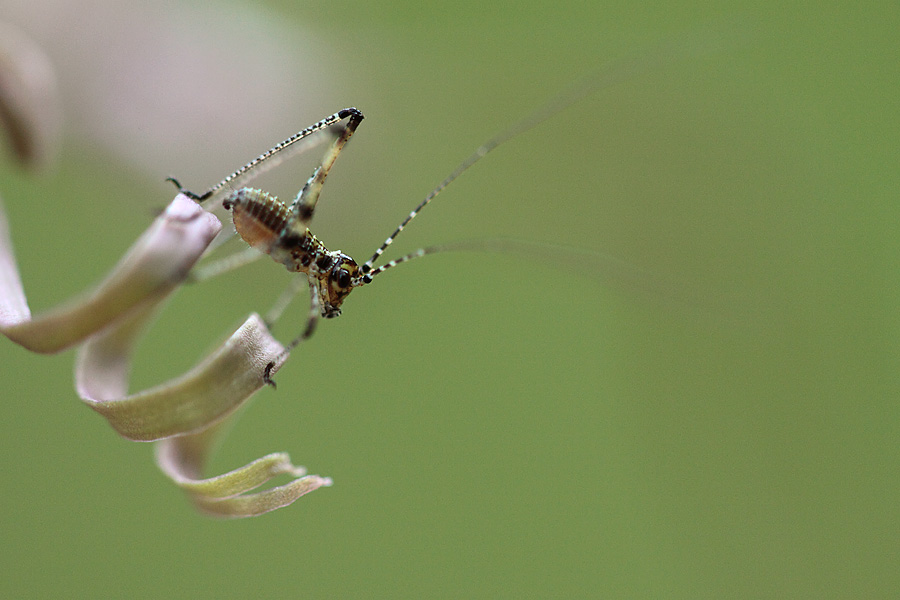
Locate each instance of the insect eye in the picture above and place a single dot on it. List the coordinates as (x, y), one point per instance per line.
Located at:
(343, 279)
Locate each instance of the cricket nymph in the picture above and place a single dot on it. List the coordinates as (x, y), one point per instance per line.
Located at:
(267, 224)
(281, 231)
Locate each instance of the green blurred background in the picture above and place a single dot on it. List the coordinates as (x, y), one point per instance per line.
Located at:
(502, 426)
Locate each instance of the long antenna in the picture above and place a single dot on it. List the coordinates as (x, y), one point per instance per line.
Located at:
(613, 73)
(604, 266)
(558, 104)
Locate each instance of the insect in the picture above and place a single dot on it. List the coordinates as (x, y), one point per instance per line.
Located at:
(282, 231)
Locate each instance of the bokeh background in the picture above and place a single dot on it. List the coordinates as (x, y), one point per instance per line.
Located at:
(496, 426)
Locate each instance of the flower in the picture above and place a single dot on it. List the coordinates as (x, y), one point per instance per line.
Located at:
(185, 415)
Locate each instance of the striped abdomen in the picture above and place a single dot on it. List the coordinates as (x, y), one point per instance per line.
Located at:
(259, 218)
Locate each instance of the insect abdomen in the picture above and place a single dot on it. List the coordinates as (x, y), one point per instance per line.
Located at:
(258, 217)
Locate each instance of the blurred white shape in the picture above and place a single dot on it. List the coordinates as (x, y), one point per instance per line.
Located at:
(29, 107)
(176, 87)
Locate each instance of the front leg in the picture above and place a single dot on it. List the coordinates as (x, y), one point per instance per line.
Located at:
(311, 321)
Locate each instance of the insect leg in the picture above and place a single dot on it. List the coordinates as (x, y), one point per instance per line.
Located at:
(223, 265)
(311, 321)
(271, 158)
(304, 204)
(297, 282)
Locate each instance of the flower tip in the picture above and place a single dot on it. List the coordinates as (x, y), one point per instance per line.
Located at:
(183, 208)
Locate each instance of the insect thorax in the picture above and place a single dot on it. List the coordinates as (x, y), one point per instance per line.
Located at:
(268, 225)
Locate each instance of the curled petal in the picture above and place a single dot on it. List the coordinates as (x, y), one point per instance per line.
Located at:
(252, 505)
(186, 413)
(183, 458)
(155, 265)
(207, 393)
